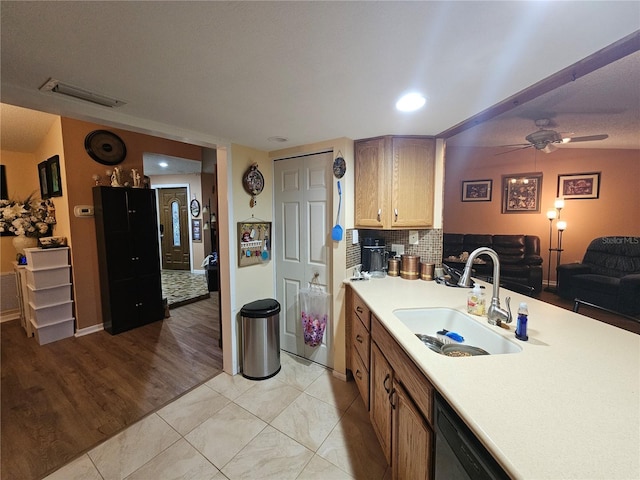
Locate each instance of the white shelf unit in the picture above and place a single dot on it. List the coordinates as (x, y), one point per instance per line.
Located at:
(48, 293)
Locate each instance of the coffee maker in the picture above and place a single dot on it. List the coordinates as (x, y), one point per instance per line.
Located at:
(374, 256)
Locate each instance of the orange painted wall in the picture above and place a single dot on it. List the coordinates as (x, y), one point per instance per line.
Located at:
(615, 212)
(80, 167)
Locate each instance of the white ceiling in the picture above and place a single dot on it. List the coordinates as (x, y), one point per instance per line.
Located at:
(241, 72)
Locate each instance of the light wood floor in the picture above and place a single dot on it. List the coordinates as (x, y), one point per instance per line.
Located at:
(61, 399)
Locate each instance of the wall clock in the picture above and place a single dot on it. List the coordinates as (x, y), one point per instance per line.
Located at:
(195, 207)
(253, 183)
(105, 147)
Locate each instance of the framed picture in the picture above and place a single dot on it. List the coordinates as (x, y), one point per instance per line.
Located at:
(576, 186)
(476, 190)
(53, 171)
(254, 242)
(521, 193)
(196, 230)
(43, 176)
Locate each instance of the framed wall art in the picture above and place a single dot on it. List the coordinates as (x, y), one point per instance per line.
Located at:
(196, 230)
(43, 176)
(254, 242)
(53, 170)
(576, 186)
(476, 190)
(521, 192)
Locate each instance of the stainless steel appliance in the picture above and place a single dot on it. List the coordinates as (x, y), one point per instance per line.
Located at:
(371, 248)
(459, 454)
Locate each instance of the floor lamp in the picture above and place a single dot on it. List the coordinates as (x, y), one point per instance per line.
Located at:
(561, 226)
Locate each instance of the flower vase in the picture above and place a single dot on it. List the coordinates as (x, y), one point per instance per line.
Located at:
(20, 242)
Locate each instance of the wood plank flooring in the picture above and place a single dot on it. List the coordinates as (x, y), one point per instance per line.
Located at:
(61, 399)
(606, 317)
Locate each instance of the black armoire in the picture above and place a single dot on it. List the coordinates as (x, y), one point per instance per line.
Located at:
(128, 257)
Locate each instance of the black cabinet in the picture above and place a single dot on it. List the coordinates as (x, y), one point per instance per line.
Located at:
(128, 257)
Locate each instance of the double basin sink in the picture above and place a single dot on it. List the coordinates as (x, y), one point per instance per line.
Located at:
(428, 321)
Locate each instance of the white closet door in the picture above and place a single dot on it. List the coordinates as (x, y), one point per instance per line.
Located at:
(302, 221)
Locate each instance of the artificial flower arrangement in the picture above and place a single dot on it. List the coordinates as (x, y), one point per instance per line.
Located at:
(31, 217)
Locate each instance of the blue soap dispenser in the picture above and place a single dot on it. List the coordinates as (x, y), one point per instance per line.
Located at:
(523, 317)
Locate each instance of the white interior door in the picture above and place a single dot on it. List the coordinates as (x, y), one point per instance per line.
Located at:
(303, 223)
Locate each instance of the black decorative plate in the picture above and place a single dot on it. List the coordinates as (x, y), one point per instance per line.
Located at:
(339, 167)
(105, 147)
(253, 181)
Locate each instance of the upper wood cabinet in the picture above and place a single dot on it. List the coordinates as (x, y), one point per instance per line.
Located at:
(394, 182)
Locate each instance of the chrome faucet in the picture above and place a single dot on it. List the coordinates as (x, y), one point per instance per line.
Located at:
(495, 314)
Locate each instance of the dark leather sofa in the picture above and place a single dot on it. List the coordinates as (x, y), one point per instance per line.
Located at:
(520, 260)
(609, 275)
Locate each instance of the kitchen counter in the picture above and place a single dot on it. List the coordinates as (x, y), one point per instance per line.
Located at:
(566, 406)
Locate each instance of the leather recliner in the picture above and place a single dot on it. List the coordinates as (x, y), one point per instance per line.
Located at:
(609, 275)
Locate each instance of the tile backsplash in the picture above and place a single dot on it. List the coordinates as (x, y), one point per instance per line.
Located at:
(429, 246)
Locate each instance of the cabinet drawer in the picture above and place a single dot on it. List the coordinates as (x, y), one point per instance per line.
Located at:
(361, 374)
(361, 341)
(361, 310)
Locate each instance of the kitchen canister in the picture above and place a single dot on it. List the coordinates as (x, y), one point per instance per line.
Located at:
(426, 271)
(410, 267)
(393, 267)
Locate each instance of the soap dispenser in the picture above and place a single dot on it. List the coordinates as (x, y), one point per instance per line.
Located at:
(476, 301)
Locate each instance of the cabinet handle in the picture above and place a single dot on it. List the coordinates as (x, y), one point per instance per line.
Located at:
(379, 213)
(391, 398)
(395, 212)
(359, 339)
(384, 383)
(359, 374)
(359, 309)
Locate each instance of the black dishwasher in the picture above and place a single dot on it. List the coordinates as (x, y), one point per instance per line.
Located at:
(459, 454)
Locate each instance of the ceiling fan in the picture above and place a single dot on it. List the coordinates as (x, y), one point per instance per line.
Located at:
(546, 140)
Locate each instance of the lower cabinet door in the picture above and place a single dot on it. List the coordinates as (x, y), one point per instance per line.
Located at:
(412, 439)
(381, 378)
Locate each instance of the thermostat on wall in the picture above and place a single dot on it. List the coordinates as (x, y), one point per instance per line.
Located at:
(83, 210)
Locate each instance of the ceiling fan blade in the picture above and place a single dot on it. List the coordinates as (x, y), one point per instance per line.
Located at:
(513, 150)
(517, 145)
(588, 138)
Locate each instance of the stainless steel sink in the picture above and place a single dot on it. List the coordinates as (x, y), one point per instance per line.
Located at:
(428, 321)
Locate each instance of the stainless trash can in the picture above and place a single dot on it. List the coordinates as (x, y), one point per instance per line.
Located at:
(260, 339)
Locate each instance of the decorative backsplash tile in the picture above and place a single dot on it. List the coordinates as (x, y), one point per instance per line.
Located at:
(429, 247)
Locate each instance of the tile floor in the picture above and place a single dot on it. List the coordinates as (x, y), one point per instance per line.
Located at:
(181, 286)
(302, 423)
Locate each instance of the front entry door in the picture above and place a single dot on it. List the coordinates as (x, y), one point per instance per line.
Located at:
(302, 216)
(174, 224)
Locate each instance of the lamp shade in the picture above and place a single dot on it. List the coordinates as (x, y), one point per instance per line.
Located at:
(559, 203)
(561, 225)
(551, 214)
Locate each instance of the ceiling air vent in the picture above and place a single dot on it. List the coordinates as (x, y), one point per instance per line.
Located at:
(56, 86)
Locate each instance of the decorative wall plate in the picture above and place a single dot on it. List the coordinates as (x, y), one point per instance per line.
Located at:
(253, 182)
(105, 147)
(195, 207)
(339, 167)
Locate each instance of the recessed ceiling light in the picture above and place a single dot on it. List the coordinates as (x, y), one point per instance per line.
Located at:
(163, 164)
(278, 139)
(411, 102)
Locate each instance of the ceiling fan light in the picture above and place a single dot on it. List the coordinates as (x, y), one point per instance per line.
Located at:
(549, 147)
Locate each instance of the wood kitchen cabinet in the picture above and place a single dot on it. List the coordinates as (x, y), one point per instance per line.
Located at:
(400, 397)
(401, 407)
(128, 257)
(360, 346)
(380, 411)
(394, 182)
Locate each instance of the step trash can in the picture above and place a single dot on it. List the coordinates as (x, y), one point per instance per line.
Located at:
(260, 339)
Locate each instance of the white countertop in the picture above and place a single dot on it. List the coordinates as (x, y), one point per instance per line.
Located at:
(566, 406)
